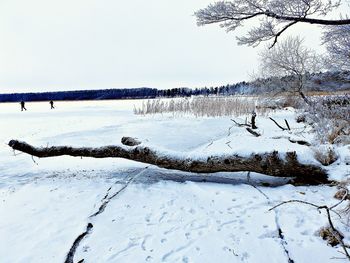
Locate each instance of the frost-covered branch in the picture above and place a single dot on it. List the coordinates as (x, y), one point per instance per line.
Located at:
(337, 41)
(290, 58)
(274, 16)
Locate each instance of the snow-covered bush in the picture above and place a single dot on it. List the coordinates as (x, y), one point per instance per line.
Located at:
(280, 102)
(325, 154)
(330, 118)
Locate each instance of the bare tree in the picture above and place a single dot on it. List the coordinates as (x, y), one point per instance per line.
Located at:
(337, 41)
(275, 16)
(290, 58)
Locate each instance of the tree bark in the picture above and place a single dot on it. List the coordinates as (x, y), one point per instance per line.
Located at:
(271, 163)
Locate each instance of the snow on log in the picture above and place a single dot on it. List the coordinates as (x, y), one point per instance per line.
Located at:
(270, 163)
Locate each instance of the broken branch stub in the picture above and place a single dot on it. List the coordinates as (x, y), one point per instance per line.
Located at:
(129, 141)
(256, 134)
(269, 163)
(279, 126)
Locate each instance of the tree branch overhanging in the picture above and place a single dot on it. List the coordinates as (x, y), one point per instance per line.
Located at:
(275, 16)
(271, 163)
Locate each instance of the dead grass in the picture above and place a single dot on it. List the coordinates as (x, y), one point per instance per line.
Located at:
(325, 154)
(328, 234)
(330, 117)
(203, 106)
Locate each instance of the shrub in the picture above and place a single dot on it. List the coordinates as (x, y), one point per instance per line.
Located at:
(330, 117)
(325, 154)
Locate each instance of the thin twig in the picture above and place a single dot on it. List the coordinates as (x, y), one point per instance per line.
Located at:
(342, 200)
(34, 160)
(336, 232)
(209, 145)
(240, 124)
(15, 154)
(279, 126)
(287, 124)
(293, 201)
(229, 131)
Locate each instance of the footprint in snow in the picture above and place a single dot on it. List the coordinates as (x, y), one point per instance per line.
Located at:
(185, 259)
(170, 203)
(192, 211)
(148, 217)
(144, 241)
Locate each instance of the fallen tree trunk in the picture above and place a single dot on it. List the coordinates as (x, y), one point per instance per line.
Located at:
(265, 163)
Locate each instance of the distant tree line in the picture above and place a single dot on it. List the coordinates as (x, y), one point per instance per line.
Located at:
(328, 81)
(229, 89)
(137, 93)
(104, 94)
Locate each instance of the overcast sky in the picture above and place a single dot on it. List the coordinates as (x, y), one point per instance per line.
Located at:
(86, 44)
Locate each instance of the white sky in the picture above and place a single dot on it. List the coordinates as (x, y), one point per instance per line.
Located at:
(90, 44)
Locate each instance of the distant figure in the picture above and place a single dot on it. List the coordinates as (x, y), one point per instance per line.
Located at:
(51, 103)
(23, 106)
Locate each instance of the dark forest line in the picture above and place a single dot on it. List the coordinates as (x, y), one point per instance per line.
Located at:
(328, 81)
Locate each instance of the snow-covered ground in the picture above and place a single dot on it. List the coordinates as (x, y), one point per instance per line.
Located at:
(133, 212)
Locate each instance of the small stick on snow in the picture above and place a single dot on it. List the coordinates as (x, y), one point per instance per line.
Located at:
(301, 142)
(287, 124)
(209, 145)
(279, 126)
(34, 160)
(240, 124)
(335, 231)
(256, 134)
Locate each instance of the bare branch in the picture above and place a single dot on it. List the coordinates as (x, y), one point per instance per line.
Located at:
(256, 134)
(290, 58)
(328, 210)
(287, 124)
(279, 126)
(240, 124)
(276, 13)
(281, 31)
(337, 42)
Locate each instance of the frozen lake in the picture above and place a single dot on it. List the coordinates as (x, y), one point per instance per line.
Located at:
(45, 204)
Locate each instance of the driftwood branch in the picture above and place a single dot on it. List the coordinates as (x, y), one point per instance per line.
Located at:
(249, 128)
(301, 142)
(256, 134)
(270, 163)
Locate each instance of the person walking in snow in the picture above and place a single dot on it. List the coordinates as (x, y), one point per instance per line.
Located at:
(51, 103)
(23, 106)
